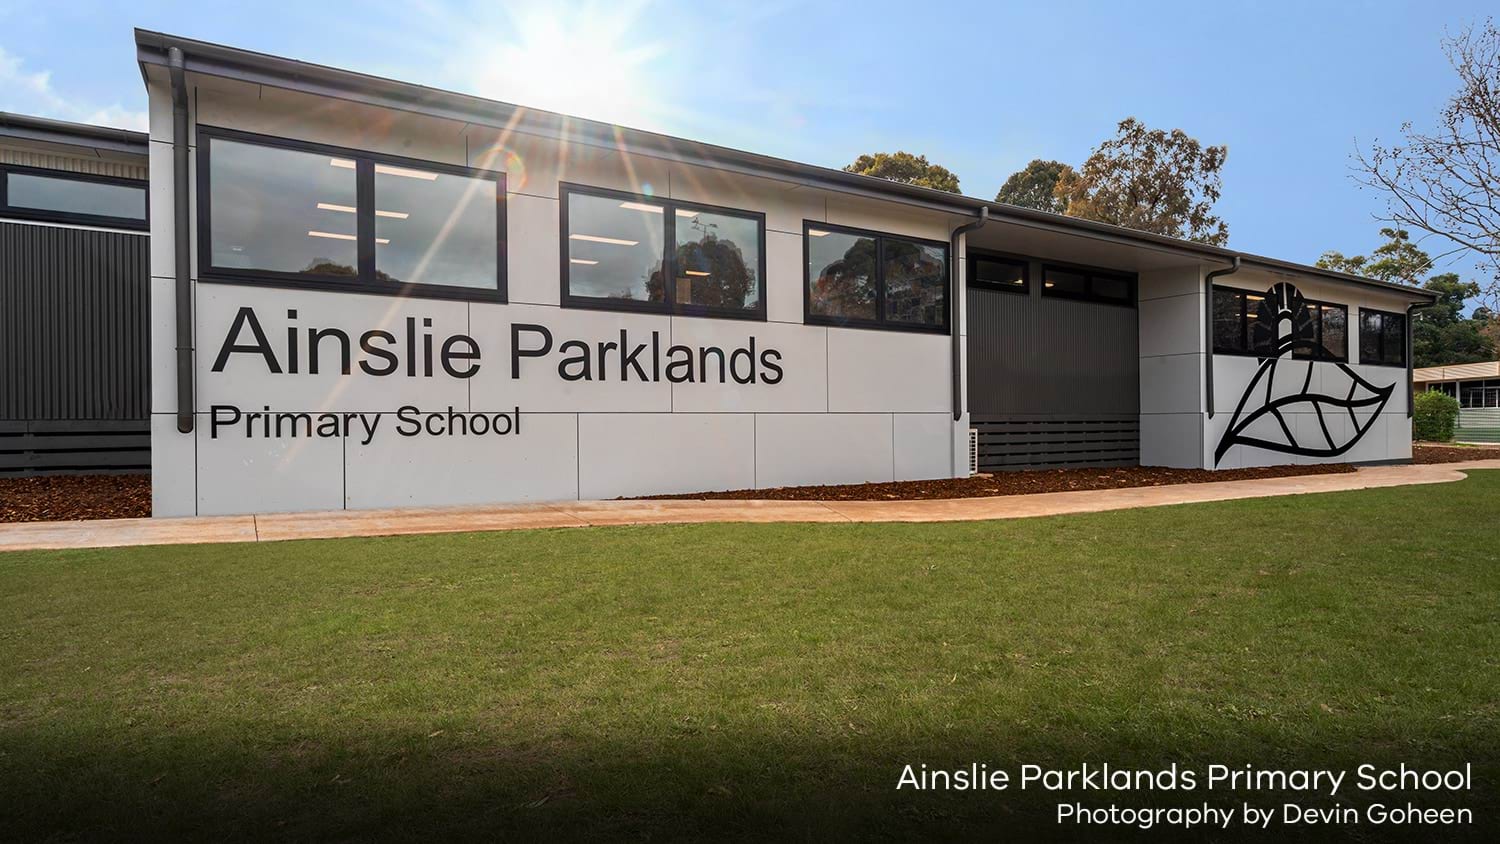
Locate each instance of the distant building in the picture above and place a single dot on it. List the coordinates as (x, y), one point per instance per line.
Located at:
(75, 367)
(1477, 388)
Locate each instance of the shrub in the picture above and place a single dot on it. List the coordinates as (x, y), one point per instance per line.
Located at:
(1435, 415)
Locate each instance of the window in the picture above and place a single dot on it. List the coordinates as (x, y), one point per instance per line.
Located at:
(1480, 393)
(996, 273)
(1089, 284)
(1239, 330)
(288, 213)
(1235, 314)
(60, 197)
(615, 255)
(1328, 329)
(867, 279)
(1382, 338)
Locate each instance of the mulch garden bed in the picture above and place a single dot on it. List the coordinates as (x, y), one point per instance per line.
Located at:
(72, 497)
(1015, 483)
(1424, 453)
(57, 498)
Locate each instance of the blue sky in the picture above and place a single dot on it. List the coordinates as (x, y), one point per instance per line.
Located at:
(981, 88)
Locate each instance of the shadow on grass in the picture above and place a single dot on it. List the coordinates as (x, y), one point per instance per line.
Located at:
(56, 783)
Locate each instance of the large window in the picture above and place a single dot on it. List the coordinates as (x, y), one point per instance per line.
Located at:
(1382, 338)
(1240, 328)
(283, 212)
(57, 196)
(624, 251)
(1088, 284)
(868, 279)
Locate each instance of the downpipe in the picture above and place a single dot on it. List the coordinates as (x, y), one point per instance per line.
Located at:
(1411, 352)
(1208, 330)
(176, 65)
(955, 318)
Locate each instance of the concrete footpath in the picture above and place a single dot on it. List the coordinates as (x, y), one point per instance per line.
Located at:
(28, 536)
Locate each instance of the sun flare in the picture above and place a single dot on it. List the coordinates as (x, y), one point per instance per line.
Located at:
(588, 63)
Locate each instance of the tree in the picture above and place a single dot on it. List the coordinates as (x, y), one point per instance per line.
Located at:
(1397, 260)
(1441, 334)
(1151, 180)
(1447, 181)
(906, 168)
(1036, 186)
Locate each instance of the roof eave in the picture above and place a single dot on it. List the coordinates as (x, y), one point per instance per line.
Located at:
(84, 135)
(264, 69)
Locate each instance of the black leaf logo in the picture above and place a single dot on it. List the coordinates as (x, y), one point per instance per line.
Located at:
(1352, 396)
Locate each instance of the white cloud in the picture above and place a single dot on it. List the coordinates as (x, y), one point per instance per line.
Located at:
(31, 92)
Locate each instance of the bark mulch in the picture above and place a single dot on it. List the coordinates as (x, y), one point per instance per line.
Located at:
(58, 498)
(1014, 483)
(1424, 453)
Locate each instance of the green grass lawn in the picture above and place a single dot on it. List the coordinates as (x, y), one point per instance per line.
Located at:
(722, 680)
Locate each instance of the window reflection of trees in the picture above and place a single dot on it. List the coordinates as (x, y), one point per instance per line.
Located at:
(846, 286)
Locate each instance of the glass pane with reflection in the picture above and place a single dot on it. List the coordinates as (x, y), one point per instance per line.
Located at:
(841, 274)
(281, 210)
(718, 260)
(615, 248)
(915, 283)
(1335, 332)
(435, 228)
(75, 196)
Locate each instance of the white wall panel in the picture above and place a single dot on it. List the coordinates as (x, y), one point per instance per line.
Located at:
(597, 167)
(804, 383)
(173, 466)
(164, 345)
(243, 474)
(1172, 439)
(533, 250)
(922, 443)
(785, 204)
(247, 382)
(1170, 384)
(162, 201)
(1173, 281)
(283, 113)
(891, 217)
(1171, 325)
(662, 453)
(540, 389)
(793, 449)
(538, 464)
(784, 272)
(888, 371)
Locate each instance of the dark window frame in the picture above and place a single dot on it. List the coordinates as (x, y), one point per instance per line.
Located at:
(1384, 315)
(365, 280)
(1133, 279)
(1246, 319)
(1244, 323)
(880, 322)
(68, 217)
(1323, 354)
(669, 306)
(971, 278)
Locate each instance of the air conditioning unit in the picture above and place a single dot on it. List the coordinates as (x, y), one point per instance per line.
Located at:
(973, 452)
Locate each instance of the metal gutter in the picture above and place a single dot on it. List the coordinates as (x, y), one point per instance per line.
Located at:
(955, 319)
(181, 235)
(153, 48)
(24, 127)
(1208, 331)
